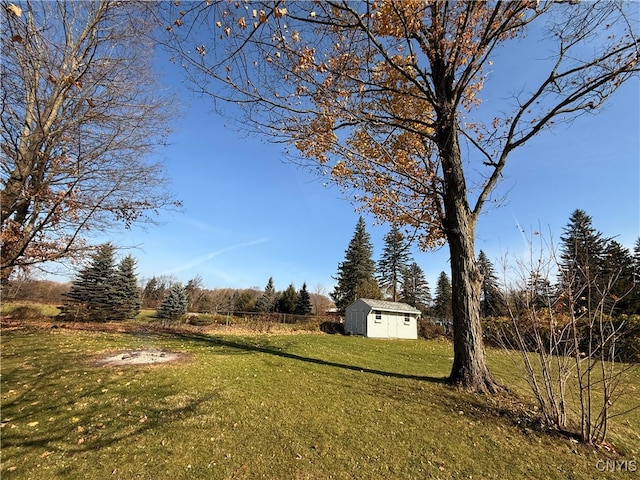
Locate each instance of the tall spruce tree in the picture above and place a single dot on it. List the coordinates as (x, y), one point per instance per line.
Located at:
(442, 307)
(356, 274)
(415, 288)
(618, 278)
(303, 307)
(175, 302)
(581, 260)
(267, 301)
(492, 302)
(636, 277)
(126, 285)
(394, 259)
(93, 295)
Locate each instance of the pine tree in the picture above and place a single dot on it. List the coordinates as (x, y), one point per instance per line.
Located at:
(243, 301)
(267, 301)
(395, 257)
(636, 277)
(303, 307)
(636, 261)
(618, 276)
(93, 295)
(288, 300)
(415, 288)
(175, 303)
(492, 302)
(442, 304)
(581, 259)
(126, 284)
(356, 274)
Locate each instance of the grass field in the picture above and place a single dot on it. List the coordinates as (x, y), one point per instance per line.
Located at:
(276, 407)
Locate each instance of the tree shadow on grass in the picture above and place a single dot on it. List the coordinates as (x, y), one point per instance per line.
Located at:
(244, 346)
(506, 406)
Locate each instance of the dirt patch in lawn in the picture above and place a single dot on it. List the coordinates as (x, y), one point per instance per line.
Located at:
(139, 357)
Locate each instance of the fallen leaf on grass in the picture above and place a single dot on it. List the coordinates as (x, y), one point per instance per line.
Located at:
(32, 424)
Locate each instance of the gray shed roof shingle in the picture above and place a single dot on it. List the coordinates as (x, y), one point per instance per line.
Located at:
(388, 306)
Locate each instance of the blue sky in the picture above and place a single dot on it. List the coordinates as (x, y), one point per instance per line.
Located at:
(248, 215)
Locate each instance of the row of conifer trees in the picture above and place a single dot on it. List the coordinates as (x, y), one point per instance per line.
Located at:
(105, 291)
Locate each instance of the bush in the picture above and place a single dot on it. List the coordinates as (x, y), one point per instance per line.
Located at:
(428, 330)
(501, 332)
(200, 320)
(332, 327)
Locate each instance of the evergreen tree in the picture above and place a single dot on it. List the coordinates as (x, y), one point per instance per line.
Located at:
(618, 276)
(636, 261)
(175, 303)
(581, 259)
(243, 301)
(303, 307)
(442, 304)
(356, 273)
(394, 259)
(288, 300)
(492, 302)
(415, 288)
(93, 295)
(636, 277)
(127, 288)
(267, 301)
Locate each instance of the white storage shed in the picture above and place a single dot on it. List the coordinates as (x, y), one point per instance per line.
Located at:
(381, 319)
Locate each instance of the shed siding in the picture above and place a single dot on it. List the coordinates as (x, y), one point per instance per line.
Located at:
(356, 318)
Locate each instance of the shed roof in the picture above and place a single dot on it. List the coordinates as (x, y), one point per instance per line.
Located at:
(388, 306)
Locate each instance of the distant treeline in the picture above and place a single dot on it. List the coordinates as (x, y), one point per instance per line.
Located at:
(154, 290)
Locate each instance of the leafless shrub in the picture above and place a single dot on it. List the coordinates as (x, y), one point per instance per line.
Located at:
(567, 342)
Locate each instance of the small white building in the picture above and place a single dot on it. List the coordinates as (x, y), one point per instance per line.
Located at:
(381, 319)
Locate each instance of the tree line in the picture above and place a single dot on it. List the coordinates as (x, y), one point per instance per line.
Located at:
(587, 259)
(395, 276)
(225, 300)
(590, 267)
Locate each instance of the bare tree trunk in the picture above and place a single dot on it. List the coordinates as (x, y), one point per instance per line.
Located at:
(469, 370)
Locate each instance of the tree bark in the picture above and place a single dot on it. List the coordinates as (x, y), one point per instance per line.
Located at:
(469, 370)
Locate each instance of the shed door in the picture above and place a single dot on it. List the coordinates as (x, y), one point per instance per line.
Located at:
(392, 325)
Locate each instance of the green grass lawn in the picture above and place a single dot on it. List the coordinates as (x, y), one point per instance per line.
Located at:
(274, 407)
